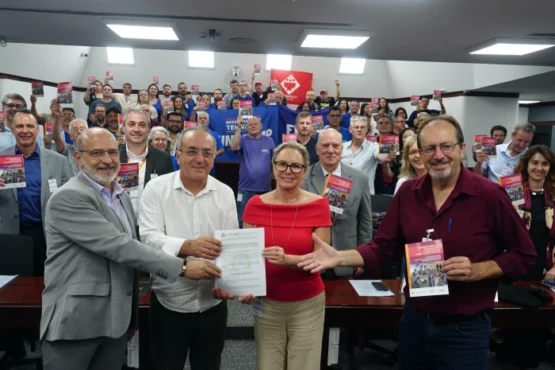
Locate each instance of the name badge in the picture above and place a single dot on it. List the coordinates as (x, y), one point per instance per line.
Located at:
(134, 193)
(240, 197)
(53, 185)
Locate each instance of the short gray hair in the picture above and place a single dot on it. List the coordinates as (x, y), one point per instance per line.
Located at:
(14, 96)
(423, 114)
(203, 112)
(295, 146)
(192, 129)
(76, 121)
(358, 118)
(137, 110)
(156, 129)
(525, 127)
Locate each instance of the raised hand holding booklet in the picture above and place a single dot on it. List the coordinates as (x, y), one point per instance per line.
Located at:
(372, 138)
(195, 89)
(110, 78)
(289, 138)
(257, 68)
(337, 191)
(92, 80)
(155, 80)
(49, 130)
(201, 106)
(272, 99)
(414, 100)
(221, 105)
(65, 93)
(388, 144)
(514, 186)
(12, 171)
(245, 109)
(478, 142)
(169, 106)
(424, 263)
(318, 122)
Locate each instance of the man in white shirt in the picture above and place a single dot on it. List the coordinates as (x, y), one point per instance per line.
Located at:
(179, 213)
(166, 93)
(362, 154)
(126, 99)
(508, 155)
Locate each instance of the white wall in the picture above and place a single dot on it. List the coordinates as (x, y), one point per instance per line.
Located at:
(43, 104)
(523, 114)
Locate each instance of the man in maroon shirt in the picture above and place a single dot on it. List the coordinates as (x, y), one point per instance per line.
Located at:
(484, 240)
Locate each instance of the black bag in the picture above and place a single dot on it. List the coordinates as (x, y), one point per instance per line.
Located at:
(522, 296)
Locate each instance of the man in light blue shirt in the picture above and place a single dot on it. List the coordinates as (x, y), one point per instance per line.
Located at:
(508, 155)
(11, 104)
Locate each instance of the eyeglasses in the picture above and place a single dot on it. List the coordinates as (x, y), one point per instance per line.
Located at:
(68, 115)
(78, 129)
(283, 166)
(16, 106)
(335, 115)
(99, 153)
(160, 140)
(193, 152)
(412, 153)
(446, 148)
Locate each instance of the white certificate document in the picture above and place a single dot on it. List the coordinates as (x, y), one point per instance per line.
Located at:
(241, 262)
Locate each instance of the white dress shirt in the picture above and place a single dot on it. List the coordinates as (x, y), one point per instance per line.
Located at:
(337, 171)
(141, 160)
(169, 215)
(503, 164)
(365, 159)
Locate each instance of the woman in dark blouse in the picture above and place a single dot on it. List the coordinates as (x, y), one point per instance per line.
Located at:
(523, 348)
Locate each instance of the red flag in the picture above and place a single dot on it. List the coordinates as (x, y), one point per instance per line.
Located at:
(293, 84)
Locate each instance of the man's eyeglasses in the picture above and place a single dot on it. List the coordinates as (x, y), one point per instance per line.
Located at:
(99, 153)
(335, 115)
(193, 152)
(68, 115)
(11, 106)
(283, 166)
(446, 148)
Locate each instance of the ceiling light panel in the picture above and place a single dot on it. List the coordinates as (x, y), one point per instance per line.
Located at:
(144, 32)
(120, 55)
(333, 41)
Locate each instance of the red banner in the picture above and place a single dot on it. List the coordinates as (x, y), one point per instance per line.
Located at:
(293, 84)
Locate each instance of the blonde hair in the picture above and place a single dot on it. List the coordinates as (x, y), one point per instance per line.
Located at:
(295, 146)
(406, 169)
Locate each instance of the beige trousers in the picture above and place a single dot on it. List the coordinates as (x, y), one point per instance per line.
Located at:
(289, 334)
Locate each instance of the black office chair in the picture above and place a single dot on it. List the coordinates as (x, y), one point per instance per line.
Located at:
(16, 258)
(380, 202)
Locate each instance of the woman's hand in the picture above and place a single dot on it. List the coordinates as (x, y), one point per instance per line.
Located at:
(275, 255)
(223, 295)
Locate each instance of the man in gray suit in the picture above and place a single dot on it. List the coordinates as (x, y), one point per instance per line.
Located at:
(90, 300)
(354, 225)
(23, 210)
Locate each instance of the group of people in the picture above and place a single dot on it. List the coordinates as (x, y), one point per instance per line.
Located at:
(97, 236)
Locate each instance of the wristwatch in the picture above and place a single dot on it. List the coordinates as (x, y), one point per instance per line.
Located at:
(183, 268)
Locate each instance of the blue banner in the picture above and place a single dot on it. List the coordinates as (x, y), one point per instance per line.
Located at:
(276, 121)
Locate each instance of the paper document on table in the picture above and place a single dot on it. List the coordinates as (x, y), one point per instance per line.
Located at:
(241, 262)
(5, 279)
(364, 288)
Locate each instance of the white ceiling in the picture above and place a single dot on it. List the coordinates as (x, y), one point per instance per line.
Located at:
(418, 30)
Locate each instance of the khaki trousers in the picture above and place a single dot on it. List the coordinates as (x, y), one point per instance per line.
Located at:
(289, 334)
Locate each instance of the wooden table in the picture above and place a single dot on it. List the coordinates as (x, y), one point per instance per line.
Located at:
(20, 307)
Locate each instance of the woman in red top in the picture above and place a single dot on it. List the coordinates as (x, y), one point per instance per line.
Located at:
(289, 321)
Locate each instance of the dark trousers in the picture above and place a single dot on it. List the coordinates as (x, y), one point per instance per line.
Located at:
(175, 334)
(35, 231)
(425, 344)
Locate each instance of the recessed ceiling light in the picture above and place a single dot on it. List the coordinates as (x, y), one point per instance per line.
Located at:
(333, 41)
(511, 49)
(143, 32)
(528, 101)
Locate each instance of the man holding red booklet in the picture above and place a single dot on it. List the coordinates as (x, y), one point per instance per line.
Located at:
(483, 239)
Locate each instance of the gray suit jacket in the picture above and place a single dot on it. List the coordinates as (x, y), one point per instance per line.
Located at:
(354, 226)
(52, 166)
(90, 277)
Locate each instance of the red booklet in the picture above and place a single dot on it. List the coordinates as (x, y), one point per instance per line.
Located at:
(188, 124)
(155, 80)
(514, 186)
(289, 138)
(49, 130)
(478, 141)
(388, 144)
(110, 78)
(414, 100)
(65, 94)
(121, 117)
(424, 264)
(272, 99)
(201, 106)
(257, 68)
(488, 146)
(222, 105)
(195, 89)
(372, 138)
(275, 84)
(37, 88)
(12, 171)
(92, 80)
(128, 177)
(337, 191)
(318, 122)
(169, 106)
(245, 109)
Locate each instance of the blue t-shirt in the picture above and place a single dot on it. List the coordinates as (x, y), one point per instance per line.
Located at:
(246, 98)
(255, 164)
(219, 145)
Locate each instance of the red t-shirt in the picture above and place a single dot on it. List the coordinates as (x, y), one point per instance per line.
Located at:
(285, 284)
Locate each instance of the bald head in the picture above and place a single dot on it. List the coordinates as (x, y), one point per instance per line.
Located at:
(330, 134)
(329, 148)
(95, 135)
